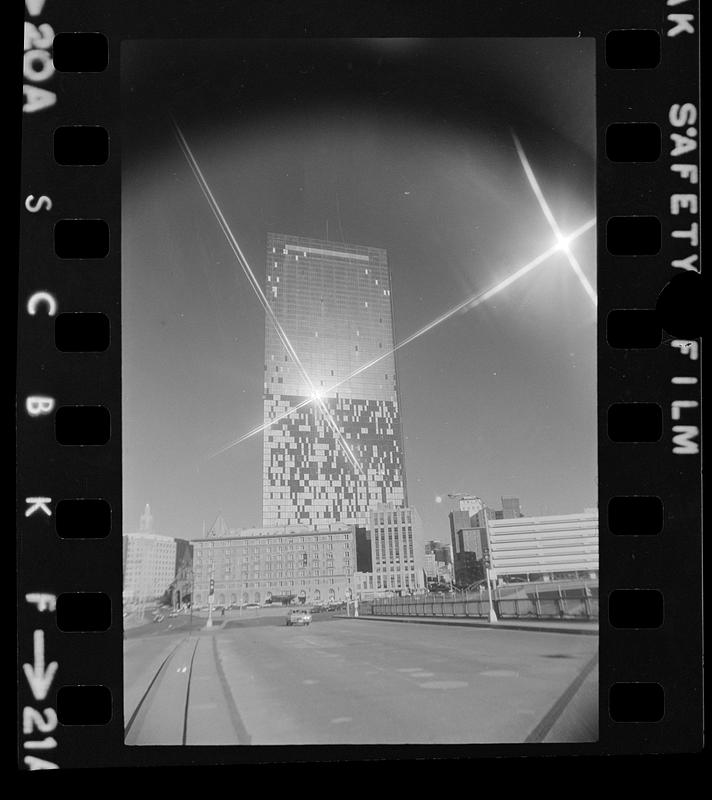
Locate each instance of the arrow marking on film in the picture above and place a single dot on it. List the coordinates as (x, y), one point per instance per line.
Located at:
(39, 679)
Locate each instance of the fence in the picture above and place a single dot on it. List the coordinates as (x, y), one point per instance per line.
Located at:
(581, 604)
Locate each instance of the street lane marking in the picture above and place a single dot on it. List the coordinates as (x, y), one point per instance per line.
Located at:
(552, 716)
(340, 720)
(309, 681)
(422, 674)
(500, 673)
(443, 684)
(408, 669)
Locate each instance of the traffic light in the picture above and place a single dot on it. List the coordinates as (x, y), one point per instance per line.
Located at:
(304, 559)
(486, 557)
(212, 586)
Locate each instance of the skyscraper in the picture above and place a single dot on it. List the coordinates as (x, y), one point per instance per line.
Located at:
(341, 452)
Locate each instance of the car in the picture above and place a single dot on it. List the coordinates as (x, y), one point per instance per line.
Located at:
(174, 613)
(252, 605)
(298, 616)
(158, 618)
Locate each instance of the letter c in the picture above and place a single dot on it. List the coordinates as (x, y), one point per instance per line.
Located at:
(42, 297)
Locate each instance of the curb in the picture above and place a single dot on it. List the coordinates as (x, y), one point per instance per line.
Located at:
(497, 625)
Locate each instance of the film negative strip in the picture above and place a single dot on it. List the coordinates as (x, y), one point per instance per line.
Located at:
(472, 153)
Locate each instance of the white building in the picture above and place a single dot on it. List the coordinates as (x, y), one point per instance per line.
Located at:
(430, 565)
(149, 561)
(363, 585)
(397, 548)
(545, 548)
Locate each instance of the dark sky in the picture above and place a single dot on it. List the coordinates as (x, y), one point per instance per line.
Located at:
(401, 144)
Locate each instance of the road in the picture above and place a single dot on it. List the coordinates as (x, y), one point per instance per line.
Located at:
(346, 681)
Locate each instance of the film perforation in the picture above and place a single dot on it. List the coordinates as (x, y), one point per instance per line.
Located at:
(635, 422)
(81, 145)
(81, 238)
(82, 425)
(636, 608)
(83, 612)
(81, 332)
(635, 515)
(634, 235)
(83, 518)
(637, 702)
(633, 329)
(633, 142)
(633, 49)
(79, 52)
(84, 705)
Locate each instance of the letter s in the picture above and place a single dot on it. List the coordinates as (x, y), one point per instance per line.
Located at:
(33, 206)
(680, 115)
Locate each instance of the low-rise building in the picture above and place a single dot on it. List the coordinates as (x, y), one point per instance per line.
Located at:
(264, 565)
(545, 548)
(149, 562)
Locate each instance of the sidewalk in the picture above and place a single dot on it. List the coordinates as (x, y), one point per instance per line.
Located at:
(570, 626)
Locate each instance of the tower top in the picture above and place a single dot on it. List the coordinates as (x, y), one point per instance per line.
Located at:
(219, 528)
(146, 523)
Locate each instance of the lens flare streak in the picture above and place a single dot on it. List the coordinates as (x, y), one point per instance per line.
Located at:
(249, 274)
(563, 241)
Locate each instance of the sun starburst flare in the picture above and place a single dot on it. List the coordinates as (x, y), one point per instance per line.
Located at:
(563, 242)
(471, 302)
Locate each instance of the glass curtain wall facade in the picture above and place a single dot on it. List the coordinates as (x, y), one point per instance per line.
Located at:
(333, 302)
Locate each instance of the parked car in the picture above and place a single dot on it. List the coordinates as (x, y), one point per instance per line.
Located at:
(252, 605)
(298, 616)
(158, 618)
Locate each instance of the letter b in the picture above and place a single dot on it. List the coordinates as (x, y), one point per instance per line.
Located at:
(37, 405)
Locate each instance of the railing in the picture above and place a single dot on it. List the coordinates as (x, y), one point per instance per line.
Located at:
(581, 607)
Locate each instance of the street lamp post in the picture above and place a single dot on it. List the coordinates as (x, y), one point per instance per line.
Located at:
(492, 612)
(211, 595)
(192, 599)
